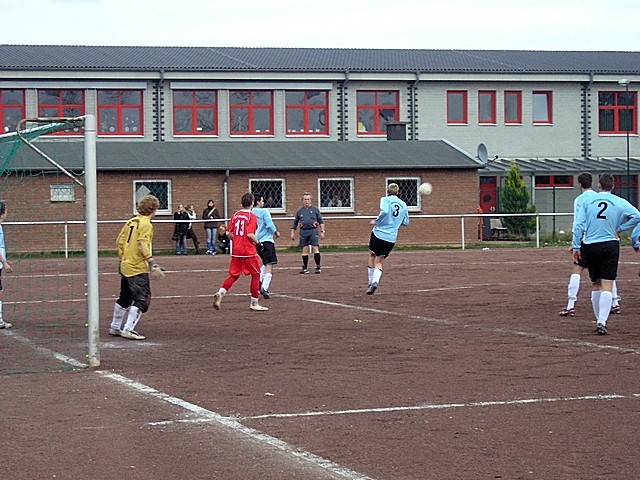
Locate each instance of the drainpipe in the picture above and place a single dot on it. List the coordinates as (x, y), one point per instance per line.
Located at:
(225, 193)
(159, 114)
(585, 120)
(414, 89)
(343, 108)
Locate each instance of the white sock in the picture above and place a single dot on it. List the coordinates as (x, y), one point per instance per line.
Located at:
(614, 293)
(222, 291)
(572, 290)
(376, 276)
(118, 316)
(595, 302)
(267, 281)
(1, 319)
(263, 270)
(132, 318)
(370, 271)
(605, 307)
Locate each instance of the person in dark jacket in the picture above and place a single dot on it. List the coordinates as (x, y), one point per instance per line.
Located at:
(180, 231)
(210, 214)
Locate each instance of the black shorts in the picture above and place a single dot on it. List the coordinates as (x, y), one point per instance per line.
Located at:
(602, 259)
(135, 291)
(309, 238)
(581, 261)
(380, 248)
(268, 255)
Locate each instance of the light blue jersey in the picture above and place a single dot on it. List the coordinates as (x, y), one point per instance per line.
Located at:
(635, 238)
(578, 204)
(600, 216)
(266, 227)
(393, 214)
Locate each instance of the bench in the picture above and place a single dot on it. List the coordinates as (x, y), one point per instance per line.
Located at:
(498, 232)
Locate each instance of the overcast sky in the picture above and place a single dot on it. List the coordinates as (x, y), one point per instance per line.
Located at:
(441, 24)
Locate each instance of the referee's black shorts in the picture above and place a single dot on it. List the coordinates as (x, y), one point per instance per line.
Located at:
(380, 248)
(602, 259)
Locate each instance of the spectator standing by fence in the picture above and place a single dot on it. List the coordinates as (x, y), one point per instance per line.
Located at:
(210, 214)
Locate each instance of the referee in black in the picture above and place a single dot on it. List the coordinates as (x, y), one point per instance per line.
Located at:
(311, 231)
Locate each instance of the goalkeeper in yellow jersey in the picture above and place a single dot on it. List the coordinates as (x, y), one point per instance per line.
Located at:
(136, 264)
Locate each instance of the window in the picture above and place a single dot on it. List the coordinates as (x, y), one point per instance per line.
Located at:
(272, 190)
(456, 107)
(487, 107)
(63, 193)
(541, 108)
(61, 103)
(554, 181)
(375, 109)
(336, 194)
(617, 112)
(195, 112)
(408, 191)
(120, 112)
(159, 188)
(307, 112)
(513, 108)
(11, 109)
(251, 112)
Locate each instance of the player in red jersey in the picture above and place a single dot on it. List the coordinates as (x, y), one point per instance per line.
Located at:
(244, 256)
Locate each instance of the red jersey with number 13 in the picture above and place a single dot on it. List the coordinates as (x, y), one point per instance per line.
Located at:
(243, 223)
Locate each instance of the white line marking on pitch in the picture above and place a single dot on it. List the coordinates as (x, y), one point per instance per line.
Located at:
(453, 323)
(443, 406)
(233, 424)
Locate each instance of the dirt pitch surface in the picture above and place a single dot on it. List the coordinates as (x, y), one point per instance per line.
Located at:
(458, 367)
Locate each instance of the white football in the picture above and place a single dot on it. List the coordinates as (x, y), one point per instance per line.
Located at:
(426, 188)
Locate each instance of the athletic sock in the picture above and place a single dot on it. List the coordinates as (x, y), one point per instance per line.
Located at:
(132, 318)
(572, 290)
(377, 274)
(263, 270)
(305, 261)
(370, 271)
(605, 307)
(316, 258)
(118, 316)
(614, 292)
(267, 281)
(595, 302)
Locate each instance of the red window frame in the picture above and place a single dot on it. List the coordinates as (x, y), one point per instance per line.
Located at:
(376, 108)
(517, 95)
(308, 110)
(252, 107)
(62, 109)
(6, 105)
(549, 106)
(491, 96)
(195, 108)
(617, 108)
(558, 181)
(463, 120)
(121, 107)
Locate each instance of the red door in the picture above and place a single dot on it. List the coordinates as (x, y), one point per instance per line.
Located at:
(488, 194)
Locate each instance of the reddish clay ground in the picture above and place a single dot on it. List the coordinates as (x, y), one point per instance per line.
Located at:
(457, 368)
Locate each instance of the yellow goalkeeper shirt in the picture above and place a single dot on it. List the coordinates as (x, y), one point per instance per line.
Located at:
(134, 245)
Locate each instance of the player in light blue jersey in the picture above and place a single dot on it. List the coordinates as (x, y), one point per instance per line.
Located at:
(597, 225)
(586, 181)
(266, 234)
(393, 215)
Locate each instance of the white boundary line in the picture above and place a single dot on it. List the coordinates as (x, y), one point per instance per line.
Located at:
(234, 425)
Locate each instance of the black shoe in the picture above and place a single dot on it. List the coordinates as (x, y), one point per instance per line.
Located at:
(372, 289)
(601, 329)
(318, 269)
(264, 293)
(304, 270)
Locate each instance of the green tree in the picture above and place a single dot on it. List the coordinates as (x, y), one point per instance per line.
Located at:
(515, 199)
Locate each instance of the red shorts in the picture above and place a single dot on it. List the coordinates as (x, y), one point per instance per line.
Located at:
(244, 265)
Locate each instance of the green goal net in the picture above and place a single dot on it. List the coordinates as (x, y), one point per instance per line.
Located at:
(45, 297)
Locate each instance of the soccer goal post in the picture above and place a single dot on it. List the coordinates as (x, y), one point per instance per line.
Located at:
(47, 297)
